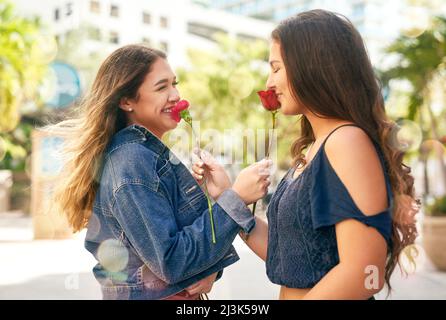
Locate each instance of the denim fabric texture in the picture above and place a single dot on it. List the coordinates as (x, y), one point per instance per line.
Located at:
(150, 228)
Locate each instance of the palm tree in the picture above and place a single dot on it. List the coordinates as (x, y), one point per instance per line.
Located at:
(422, 61)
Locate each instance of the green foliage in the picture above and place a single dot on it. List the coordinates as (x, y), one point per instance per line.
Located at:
(222, 89)
(438, 208)
(419, 60)
(22, 64)
(15, 146)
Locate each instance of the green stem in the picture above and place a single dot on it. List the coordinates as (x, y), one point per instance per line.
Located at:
(211, 215)
(267, 154)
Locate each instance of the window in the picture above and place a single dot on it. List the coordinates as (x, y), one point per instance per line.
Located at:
(202, 30)
(95, 7)
(164, 46)
(164, 23)
(146, 18)
(114, 11)
(56, 15)
(114, 37)
(69, 9)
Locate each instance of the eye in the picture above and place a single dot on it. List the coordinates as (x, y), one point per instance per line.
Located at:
(175, 83)
(277, 70)
(161, 88)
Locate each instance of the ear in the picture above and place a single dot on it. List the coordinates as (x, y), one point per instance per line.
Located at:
(126, 105)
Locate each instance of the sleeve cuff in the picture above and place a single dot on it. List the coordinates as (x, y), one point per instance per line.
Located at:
(234, 206)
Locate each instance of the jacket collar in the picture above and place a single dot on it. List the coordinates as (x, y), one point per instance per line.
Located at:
(139, 133)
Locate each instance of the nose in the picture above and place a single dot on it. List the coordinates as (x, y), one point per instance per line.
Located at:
(174, 95)
(270, 83)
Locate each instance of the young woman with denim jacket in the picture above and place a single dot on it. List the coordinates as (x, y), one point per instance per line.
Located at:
(341, 216)
(147, 218)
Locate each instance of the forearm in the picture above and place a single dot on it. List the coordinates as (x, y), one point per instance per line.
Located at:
(342, 283)
(257, 240)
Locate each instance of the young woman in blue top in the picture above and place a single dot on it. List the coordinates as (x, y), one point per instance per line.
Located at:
(340, 217)
(147, 218)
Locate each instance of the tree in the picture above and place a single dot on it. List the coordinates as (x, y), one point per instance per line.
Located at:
(22, 64)
(422, 63)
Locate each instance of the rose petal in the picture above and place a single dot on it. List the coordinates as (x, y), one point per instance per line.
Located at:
(269, 99)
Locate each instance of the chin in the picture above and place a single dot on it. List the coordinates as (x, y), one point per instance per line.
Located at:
(290, 109)
(172, 126)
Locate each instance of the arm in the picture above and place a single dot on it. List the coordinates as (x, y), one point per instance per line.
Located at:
(362, 249)
(257, 240)
(172, 253)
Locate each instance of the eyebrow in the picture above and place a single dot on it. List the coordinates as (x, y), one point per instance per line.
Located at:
(164, 81)
(273, 61)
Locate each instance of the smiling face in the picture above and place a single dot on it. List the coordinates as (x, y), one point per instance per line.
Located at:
(155, 98)
(278, 81)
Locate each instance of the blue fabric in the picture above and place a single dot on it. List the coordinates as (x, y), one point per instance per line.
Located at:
(155, 217)
(302, 214)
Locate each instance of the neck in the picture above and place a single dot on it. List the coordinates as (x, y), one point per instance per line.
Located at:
(323, 126)
(157, 134)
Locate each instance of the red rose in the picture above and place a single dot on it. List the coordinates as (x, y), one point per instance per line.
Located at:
(269, 99)
(176, 110)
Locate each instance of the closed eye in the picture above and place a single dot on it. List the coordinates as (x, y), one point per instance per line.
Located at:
(164, 87)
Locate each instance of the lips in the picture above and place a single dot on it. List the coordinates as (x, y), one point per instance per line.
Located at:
(167, 110)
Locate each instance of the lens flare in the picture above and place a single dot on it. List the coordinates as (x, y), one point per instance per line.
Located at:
(112, 255)
(240, 83)
(408, 136)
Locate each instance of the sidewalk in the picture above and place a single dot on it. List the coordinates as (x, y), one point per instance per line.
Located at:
(61, 269)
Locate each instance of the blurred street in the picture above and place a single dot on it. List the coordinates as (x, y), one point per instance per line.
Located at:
(61, 269)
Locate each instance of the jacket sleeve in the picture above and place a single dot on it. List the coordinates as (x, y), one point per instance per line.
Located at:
(172, 253)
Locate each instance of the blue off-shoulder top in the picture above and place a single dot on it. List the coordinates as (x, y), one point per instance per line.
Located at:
(302, 214)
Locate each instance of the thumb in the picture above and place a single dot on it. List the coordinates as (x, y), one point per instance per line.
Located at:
(208, 159)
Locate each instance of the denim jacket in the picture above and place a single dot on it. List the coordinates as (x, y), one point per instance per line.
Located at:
(150, 228)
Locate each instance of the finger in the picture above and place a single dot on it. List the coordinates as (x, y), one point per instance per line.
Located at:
(207, 158)
(264, 170)
(193, 286)
(196, 151)
(207, 289)
(195, 169)
(198, 177)
(194, 290)
(265, 162)
(198, 170)
(199, 164)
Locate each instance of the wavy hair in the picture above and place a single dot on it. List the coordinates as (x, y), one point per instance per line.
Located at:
(87, 135)
(330, 73)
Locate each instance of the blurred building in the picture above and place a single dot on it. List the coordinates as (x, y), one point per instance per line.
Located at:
(378, 21)
(171, 25)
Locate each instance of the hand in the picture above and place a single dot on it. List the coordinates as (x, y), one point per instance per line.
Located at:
(209, 170)
(252, 182)
(202, 286)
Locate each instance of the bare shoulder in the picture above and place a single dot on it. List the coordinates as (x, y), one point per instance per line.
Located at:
(355, 160)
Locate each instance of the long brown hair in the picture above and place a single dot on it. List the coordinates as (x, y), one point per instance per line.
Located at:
(330, 73)
(87, 135)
